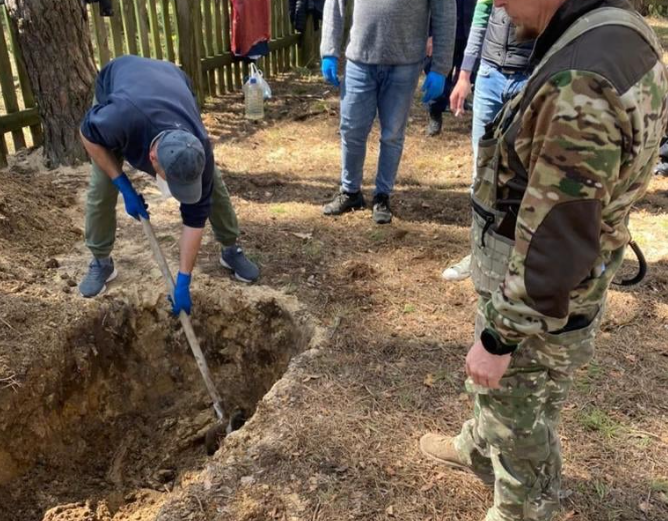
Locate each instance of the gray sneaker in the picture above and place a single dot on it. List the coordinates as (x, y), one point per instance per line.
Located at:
(100, 271)
(459, 271)
(244, 269)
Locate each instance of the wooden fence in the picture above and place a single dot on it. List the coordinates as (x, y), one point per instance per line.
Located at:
(162, 29)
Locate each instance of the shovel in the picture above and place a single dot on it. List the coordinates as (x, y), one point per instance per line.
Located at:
(223, 426)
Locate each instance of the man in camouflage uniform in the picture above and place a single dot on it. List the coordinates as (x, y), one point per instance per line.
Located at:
(558, 174)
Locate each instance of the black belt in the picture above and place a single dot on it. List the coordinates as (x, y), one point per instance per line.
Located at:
(509, 71)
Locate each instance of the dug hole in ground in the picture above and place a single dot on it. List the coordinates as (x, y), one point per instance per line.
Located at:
(349, 349)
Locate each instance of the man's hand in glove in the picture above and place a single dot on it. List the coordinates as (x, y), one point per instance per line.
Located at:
(134, 203)
(330, 66)
(433, 86)
(181, 298)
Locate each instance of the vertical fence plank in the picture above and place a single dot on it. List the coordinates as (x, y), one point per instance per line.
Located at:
(307, 44)
(275, 34)
(101, 38)
(169, 35)
(142, 25)
(287, 31)
(229, 69)
(245, 70)
(210, 51)
(3, 151)
(236, 65)
(208, 27)
(7, 86)
(155, 29)
(199, 5)
(130, 23)
(190, 36)
(117, 35)
(218, 30)
(24, 80)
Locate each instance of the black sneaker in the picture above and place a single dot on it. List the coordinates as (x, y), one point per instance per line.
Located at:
(382, 214)
(344, 202)
(435, 123)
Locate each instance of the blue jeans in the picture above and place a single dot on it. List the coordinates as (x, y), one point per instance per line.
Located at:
(493, 89)
(367, 89)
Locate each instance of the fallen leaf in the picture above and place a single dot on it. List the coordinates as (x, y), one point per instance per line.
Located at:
(390, 511)
(429, 380)
(645, 507)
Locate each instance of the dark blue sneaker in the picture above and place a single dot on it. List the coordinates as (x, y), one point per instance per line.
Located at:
(233, 258)
(100, 271)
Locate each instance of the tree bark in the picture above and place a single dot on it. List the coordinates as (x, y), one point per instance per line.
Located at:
(55, 42)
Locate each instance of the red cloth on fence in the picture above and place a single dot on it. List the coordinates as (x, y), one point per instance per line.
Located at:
(251, 24)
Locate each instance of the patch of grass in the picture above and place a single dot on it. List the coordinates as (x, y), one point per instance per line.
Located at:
(643, 442)
(278, 209)
(614, 515)
(409, 308)
(256, 257)
(319, 106)
(599, 421)
(313, 249)
(585, 383)
(659, 485)
(593, 370)
(290, 288)
(601, 489)
(377, 235)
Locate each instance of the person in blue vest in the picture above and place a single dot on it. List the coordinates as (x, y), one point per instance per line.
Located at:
(146, 113)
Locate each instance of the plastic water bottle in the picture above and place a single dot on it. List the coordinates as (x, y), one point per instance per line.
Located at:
(254, 98)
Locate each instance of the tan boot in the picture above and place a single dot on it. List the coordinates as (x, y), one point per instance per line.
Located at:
(442, 449)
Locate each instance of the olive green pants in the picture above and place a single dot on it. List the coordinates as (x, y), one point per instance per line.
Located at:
(101, 213)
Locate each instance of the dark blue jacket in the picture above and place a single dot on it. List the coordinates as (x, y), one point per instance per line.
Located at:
(137, 98)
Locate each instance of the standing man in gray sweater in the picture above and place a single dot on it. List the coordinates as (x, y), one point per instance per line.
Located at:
(384, 59)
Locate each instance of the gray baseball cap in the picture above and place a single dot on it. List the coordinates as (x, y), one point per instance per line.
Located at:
(182, 157)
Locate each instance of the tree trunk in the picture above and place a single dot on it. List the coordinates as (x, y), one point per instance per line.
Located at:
(56, 46)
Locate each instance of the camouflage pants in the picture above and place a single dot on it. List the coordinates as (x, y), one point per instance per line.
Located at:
(514, 430)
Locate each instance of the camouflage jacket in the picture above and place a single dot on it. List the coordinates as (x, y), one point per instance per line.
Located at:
(577, 149)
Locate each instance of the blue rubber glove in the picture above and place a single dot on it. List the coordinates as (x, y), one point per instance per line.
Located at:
(330, 66)
(134, 203)
(433, 86)
(181, 299)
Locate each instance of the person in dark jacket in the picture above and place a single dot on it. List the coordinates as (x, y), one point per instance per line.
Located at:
(441, 104)
(300, 9)
(145, 113)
